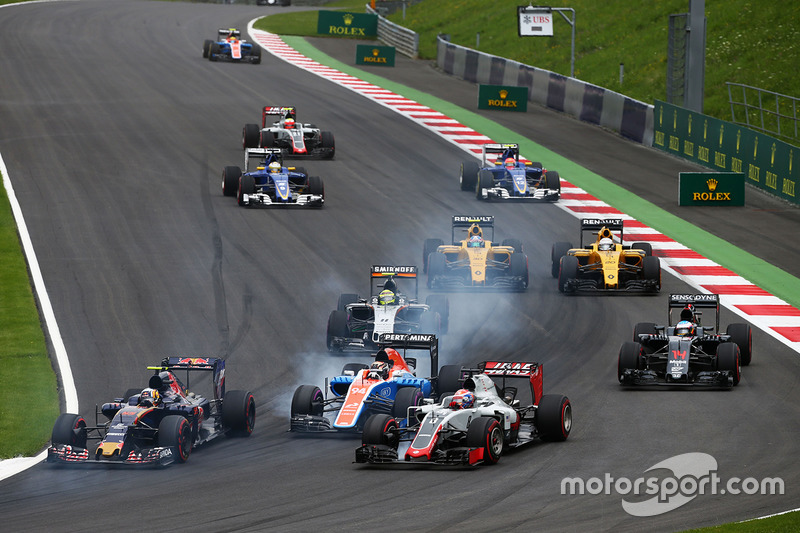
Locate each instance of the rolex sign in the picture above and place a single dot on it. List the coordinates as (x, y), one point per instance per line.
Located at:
(503, 97)
(343, 24)
(711, 188)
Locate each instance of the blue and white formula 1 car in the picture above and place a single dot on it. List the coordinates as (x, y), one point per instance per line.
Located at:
(230, 47)
(271, 184)
(501, 175)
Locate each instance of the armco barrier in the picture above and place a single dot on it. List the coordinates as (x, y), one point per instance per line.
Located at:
(590, 103)
(404, 40)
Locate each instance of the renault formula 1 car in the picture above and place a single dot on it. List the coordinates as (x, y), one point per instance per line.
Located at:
(471, 426)
(271, 184)
(686, 352)
(293, 138)
(392, 307)
(605, 265)
(230, 47)
(475, 262)
(161, 430)
(389, 385)
(502, 176)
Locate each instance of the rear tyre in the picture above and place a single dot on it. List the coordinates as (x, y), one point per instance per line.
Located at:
(230, 180)
(440, 304)
(643, 328)
(742, 335)
(405, 398)
(267, 139)
(307, 400)
(380, 430)
(430, 322)
(337, 327)
(345, 299)
(728, 358)
(516, 244)
(247, 185)
(128, 393)
(175, 432)
(485, 432)
(568, 270)
(554, 417)
(469, 175)
(430, 246)
(558, 251)
(630, 358)
(70, 430)
(646, 247)
(352, 369)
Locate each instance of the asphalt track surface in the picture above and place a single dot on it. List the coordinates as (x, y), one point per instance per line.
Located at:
(115, 131)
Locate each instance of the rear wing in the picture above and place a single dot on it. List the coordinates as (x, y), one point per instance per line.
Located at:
(699, 301)
(499, 149)
(261, 153)
(283, 112)
(380, 273)
(413, 341)
(467, 222)
(229, 31)
(595, 225)
(530, 370)
(216, 365)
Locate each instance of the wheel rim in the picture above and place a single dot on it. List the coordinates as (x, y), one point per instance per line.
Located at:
(566, 419)
(496, 441)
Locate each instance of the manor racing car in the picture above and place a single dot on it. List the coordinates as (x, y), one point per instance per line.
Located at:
(501, 175)
(230, 47)
(159, 425)
(392, 307)
(605, 265)
(294, 138)
(472, 425)
(475, 262)
(685, 352)
(271, 184)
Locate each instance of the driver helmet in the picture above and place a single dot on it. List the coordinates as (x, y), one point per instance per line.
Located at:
(462, 399)
(288, 123)
(378, 370)
(605, 244)
(149, 398)
(274, 167)
(684, 328)
(386, 297)
(687, 313)
(509, 162)
(476, 241)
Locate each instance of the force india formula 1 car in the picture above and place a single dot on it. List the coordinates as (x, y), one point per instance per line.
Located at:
(452, 432)
(156, 433)
(508, 178)
(293, 138)
(357, 323)
(475, 262)
(605, 265)
(230, 47)
(685, 352)
(388, 386)
(272, 187)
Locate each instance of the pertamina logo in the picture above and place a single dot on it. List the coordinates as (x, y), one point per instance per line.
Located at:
(503, 101)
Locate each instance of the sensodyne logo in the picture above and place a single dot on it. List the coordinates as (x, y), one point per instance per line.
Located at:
(692, 474)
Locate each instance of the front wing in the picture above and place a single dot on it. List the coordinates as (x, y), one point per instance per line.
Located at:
(70, 455)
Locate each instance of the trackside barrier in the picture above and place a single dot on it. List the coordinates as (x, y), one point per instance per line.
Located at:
(404, 40)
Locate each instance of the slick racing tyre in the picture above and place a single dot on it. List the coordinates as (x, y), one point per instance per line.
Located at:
(352, 369)
(247, 185)
(554, 417)
(553, 181)
(643, 328)
(345, 299)
(267, 139)
(307, 400)
(213, 51)
(206, 48)
(469, 175)
(646, 247)
(630, 358)
(337, 327)
(69, 429)
(406, 398)
(230, 180)
(568, 270)
(651, 270)
(380, 430)
(485, 432)
(175, 432)
(437, 265)
(728, 358)
(558, 251)
(315, 186)
(251, 136)
(430, 246)
(516, 244)
(742, 335)
(238, 413)
(518, 268)
(485, 181)
(328, 144)
(256, 54)
(449, 380)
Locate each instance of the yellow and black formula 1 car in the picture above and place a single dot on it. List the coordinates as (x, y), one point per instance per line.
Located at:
(605, 265)
(475, 262)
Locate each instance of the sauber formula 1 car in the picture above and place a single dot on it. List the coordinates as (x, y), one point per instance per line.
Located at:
(685, 352)
(470, 426)
(271, 184)
(502, 176)
(392, 307)
(389, 385)
(475, 262)
(293, 138)
(605, 265)
(230, 47)
(159, 425)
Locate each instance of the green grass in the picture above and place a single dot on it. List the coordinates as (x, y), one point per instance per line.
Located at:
(785, 523)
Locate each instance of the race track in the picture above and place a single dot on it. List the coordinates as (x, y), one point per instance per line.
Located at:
(114, 131)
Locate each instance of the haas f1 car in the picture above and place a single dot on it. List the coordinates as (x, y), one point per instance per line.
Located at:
(159, 425)
(294, 138)
(685, 352)
(392, 307)
(230, 47)
(472, 425)
(605, 264)
(501, 175)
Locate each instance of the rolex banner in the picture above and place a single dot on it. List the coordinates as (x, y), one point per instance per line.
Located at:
(345, 24)
(382, 56)
(711, 188)
(503, 97)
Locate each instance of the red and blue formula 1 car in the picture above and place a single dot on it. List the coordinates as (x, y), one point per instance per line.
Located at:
(502, 175)
(230, 47)
(159, 425)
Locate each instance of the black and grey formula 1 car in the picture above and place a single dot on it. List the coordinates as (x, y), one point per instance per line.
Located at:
(295, 139)
(159, 425)
(686, 352)
(501, 175)
(392, 307)
(229, 46)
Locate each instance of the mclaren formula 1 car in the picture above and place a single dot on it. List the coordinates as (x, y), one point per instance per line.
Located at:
(271, 184)
(392, 307)
(501, 175)
(686, 352)
(293, 138)
(475, 262)
(605, 264)
(389, 385)
(473, 425)
(159, 425)
(230, 47)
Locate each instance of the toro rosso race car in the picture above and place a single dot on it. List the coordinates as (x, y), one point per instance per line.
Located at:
(501, 175)
(685, 352)
(389, 385)
(159, 425)
(475, 262)
(606, 264)
(230, 47)
(472, 425)
(293, 138)
(392, 307)
(271, 184)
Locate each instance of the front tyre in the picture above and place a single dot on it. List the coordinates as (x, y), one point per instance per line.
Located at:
(728, 359)
(469, 175)
(238, 413)
(485, 432)
(70, 430)
(307, 400)
(380, 430)
(175, 432)
(230, 180)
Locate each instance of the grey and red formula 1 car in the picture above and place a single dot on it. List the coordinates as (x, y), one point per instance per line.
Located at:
(473, 425)
(392, 307)
(295, 139)
(685, 352)
(159, 425)
(229, 46)
(502, 175)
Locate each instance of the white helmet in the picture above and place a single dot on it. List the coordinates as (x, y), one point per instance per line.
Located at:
(274, 167)
(605, 244)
